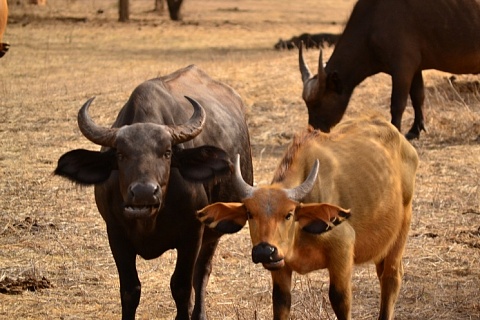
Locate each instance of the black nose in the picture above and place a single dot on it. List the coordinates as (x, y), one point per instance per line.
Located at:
(264, 253)
(144, 193)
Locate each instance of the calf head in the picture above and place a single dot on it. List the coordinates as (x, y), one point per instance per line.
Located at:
(143, 154)
(274, 215)
(323, 94)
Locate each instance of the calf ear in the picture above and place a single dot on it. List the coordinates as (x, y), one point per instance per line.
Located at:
(86, 167)
(202, 164)
(317, 218)
(224, 217)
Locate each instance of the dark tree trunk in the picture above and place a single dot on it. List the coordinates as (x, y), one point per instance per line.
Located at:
(174, 9)
(123, 10)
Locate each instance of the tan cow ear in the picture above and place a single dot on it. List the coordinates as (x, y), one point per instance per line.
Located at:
(317, 218)
(224, 217)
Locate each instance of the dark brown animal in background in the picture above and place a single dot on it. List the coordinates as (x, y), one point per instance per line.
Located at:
(309, 41)
(158, 165)
(400, 38)
(3, 24)
(358, 210)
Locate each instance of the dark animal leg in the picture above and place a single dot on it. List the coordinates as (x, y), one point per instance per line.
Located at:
(125, 259)
(340, 290)
(417, 94)
(203, 268)
(281, 295)
(182, 278)
(400, 89)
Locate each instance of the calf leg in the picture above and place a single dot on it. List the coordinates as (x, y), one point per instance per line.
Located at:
(340, 290)
(281, 295)
(417, 95)
(390, 271)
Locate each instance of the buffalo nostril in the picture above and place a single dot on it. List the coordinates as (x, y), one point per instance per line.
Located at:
(263, 253)
(144, 193)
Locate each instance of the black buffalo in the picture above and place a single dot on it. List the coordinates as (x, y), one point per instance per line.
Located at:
(158, 165)
(400, 38)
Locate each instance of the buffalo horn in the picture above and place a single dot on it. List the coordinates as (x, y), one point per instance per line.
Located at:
(244, 190)
(97, 134)
(192, 127)
(304, 70)
(298, 193)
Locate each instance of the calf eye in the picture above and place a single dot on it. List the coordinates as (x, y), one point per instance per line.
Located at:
(289, 216)
(168, 154)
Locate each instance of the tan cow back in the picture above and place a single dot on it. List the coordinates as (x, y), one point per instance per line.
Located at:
(366, 166)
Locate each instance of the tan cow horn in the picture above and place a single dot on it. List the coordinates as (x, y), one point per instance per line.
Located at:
(304, 70)
(298, 193)
(192, 127)
(97, 134)
(244, 190)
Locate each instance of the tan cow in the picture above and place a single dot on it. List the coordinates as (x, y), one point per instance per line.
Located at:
(358, 210)
(3, 25)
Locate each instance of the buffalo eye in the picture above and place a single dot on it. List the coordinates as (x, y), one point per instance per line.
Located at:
(249, 215)
(120, 156)
(289, 216)
(168, 154)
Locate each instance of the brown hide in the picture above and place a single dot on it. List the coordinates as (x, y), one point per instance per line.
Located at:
(3, 25)
(400, 38)
(366, 167)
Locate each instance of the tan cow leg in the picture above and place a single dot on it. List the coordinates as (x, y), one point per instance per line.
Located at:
(390, 271)
(281, 295)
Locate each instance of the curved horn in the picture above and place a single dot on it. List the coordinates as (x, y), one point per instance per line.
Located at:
(244, 190)
(192, 127)
(304, 70)
(298, 193)
(93, 132)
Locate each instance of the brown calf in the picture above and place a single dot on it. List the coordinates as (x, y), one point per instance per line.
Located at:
(365, 166)
(3, 25)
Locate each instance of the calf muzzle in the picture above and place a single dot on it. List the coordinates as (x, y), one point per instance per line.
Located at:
(267, 255)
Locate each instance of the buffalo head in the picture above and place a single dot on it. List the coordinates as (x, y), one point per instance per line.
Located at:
(142, 154)
(323, 94)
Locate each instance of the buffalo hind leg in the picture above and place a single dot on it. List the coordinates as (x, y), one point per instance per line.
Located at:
(417, 95)
(182, 279)
(203, 269)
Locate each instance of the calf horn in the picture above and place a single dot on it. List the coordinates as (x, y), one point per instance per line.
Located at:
(244, 190)
(192, 127)
(298, 193)
(97, 134)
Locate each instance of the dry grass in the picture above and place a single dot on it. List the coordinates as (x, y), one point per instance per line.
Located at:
(66, 52)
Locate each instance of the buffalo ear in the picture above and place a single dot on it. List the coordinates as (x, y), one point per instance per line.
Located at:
(202, 164)
(317, 218)
(334, 83)
(224, 217)
(86, 167)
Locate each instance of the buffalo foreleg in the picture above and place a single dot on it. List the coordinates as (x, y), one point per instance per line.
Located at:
(417, 95)
(125, 259)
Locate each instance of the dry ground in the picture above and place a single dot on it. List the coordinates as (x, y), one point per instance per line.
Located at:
(51, 232)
